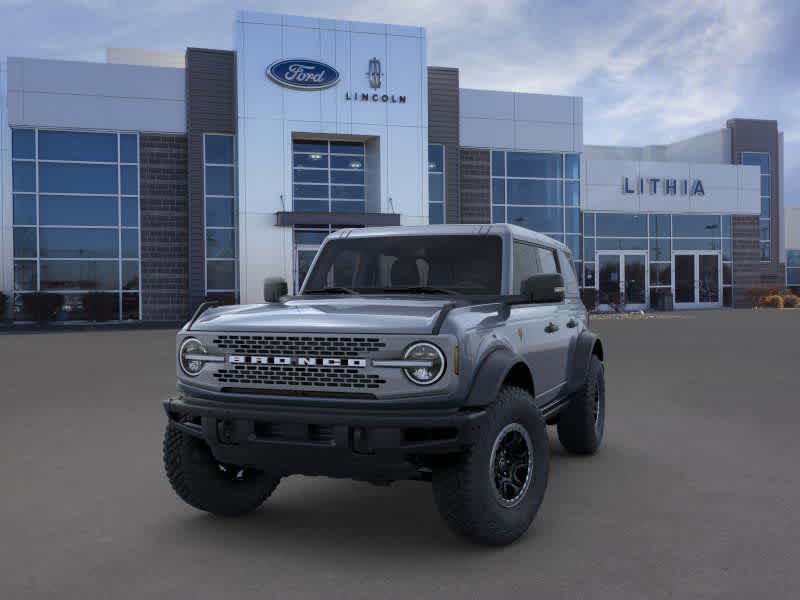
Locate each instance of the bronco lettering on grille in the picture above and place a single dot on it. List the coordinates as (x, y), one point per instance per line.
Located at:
(300, 361)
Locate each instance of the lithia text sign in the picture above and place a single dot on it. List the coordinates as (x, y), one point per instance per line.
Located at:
(667, 186)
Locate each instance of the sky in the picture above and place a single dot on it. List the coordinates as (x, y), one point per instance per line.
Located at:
(649, 72)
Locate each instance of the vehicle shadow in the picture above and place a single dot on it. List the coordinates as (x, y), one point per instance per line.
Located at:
(320, 517)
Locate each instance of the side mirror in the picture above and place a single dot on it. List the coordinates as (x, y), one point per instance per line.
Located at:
(544, 287)
(275, 288)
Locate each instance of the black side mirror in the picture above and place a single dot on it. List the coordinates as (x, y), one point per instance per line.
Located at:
(275, 288)
(543, 287)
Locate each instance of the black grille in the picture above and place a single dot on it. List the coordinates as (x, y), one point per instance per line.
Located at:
(290, 375)
(282, 345)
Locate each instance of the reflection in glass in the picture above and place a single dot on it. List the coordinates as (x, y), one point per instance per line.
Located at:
(77, 146)
(219, 149)
(531, 164)
(25, 242)
(221, 274)
(66, 178)
(80, 275)
(220, 243)
(622, 225)
(56, 242)
(77, 210)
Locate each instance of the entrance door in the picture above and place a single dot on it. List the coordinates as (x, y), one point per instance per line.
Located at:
(622, 280)
(697, 279)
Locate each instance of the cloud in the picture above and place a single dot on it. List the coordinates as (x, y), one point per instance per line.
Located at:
(649, 72)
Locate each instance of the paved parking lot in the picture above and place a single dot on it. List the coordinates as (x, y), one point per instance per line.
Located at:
(695, 493)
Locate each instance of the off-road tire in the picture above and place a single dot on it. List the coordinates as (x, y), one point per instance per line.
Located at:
(580, 428)
(201, 482)
(464, 487)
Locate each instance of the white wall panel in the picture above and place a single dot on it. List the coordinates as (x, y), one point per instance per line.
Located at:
(723, 186)
(486, 104)
(486, 133)
(53, 93)
(270, 115)
(539, 135)
(536, 121)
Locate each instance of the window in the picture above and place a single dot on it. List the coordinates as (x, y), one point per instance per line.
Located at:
(762, 160)
(660, 235)
(540, 191)
(793, 268)
(570, 277)
(328, 176)
(76, 218)
(379, 265)
(526, 263)
(219, 158)
(435, 184)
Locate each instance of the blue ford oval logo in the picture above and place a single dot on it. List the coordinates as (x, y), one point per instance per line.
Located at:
(303, 74)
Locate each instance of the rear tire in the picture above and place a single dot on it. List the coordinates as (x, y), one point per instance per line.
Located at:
(491, 493)
(202, 482)
(581, 423)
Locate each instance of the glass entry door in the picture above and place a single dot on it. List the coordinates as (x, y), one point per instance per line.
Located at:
(622, 280)
(697, 279)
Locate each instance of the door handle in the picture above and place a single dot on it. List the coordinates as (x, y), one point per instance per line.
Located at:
(551, 327)
(572, 323)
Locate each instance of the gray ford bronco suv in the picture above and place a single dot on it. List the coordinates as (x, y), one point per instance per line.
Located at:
(435, 353)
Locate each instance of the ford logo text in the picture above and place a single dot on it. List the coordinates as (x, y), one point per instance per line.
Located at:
(303, 74)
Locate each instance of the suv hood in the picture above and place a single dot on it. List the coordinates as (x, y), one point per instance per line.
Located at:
(327, 315)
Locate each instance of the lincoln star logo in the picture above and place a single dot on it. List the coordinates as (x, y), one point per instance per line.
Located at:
(299, 361)
(303, 74)
(374, 74)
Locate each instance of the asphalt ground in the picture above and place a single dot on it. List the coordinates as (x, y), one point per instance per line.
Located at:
(694, 494)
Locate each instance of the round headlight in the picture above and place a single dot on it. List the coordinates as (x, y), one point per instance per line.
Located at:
(431, 363)
(190, 356)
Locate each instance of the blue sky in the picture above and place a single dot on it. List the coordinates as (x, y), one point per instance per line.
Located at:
(649, 72)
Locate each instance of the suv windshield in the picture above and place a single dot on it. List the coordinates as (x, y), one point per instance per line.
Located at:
(413, 264)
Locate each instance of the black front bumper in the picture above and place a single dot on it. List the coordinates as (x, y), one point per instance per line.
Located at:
(373, 444)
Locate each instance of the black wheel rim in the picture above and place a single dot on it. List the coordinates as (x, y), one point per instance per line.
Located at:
(511, 464)
(233, 473)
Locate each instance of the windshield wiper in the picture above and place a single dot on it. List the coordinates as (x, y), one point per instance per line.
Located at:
(332, 290)
(420, 289)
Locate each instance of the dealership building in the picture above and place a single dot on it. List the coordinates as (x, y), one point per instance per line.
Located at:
(167, 179)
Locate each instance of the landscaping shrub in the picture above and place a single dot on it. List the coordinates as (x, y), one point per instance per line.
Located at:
(773, 301)
(41, 306)
(99, 306)
(790, 301)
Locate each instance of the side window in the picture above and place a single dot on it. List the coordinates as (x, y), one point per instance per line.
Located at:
(570, 279)
(526, 263)
(547, 260)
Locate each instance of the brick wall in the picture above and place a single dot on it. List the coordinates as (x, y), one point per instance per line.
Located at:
(475, 198)
(748, 271)
(165, 227)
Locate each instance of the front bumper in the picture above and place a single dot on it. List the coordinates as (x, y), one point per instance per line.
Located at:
(372, 444)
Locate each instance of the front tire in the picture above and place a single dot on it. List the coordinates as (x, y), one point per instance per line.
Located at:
(581, 424)
(491, 493)
(202, 482)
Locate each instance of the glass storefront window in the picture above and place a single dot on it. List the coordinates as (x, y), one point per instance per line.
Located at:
(762, 161)
(696, 225)
(621, 225)
(660, 226)
(219, 152)
(326, 173)
(532, 164)
(436, 183)
(531, 189)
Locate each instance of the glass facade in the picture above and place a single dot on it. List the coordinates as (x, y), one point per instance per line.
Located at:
(76, 219)
(328, 176)
(793, 268)
(435, 184)
(540, 191)
(761, 160)
(659, 235)
(221, 223)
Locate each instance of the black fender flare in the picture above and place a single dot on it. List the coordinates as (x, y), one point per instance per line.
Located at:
(584, 349)
(490, 375)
